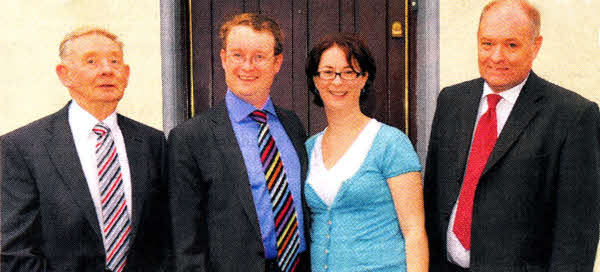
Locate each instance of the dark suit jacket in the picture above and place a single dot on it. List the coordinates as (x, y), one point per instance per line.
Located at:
(536, 207)
(48, 218)
(215, 225)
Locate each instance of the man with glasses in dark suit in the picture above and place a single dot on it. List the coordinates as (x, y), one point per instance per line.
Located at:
(236, 171)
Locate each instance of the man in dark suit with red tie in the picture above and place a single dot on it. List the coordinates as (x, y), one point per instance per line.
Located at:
(82, 189)
(512, 175)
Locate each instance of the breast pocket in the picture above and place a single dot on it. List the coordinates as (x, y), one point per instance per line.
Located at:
(523, 166)
(520, 184)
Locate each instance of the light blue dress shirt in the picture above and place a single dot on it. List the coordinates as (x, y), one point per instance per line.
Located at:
(246, 133)
(360, 230)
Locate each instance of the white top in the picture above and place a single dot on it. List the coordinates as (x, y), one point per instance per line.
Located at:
(81, 123)
(456, 252)
(327, 182)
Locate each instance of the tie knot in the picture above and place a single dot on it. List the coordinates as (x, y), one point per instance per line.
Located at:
(101, 129)
(259, 116)
(493, 100)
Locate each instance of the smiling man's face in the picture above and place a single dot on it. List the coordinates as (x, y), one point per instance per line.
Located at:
(507, 46)
(250, 64)
(94, 70)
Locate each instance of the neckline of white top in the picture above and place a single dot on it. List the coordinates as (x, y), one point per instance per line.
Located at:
(327, 182)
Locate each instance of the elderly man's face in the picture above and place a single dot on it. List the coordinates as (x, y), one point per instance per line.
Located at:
(95, 72)
(250, 64)
(506, 47)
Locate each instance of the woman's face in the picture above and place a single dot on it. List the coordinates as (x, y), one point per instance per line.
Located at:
(342, 91)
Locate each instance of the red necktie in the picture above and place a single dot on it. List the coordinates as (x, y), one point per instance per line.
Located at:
(483, 143)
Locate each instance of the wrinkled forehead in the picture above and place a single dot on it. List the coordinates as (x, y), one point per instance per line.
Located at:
(92, 43)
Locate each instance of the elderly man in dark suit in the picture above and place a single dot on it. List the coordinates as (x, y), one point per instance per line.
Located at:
(81, 188)
(512, 173)
(236, 171)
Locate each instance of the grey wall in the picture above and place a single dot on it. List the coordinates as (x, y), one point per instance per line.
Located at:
(428, 70)
(174, 57)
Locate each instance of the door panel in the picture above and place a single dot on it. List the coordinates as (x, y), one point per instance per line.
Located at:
(371, 23)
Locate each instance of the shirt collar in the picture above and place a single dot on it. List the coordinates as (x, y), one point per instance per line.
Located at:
(84, 122)
(240, 109)
(509, 95)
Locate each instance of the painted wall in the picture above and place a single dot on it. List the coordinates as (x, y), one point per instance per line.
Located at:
(570, 53)
(31, 31)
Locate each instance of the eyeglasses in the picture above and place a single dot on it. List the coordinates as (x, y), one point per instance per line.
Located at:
(345, 75)
(257, 60)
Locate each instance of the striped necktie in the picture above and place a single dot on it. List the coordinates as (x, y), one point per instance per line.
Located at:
(115, 225)
(282, 202)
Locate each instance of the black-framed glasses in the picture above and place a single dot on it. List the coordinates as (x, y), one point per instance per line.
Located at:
(345, 75)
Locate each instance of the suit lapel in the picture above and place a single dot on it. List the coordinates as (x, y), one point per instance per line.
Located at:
(138, 169)
(234, 161)
(466, 117)
(525, 109)
(63, 154)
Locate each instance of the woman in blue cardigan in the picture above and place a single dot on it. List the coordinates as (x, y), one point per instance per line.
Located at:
(364, 185)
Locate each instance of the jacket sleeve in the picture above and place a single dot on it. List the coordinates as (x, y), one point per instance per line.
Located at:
(575, 231)
(432, 223)
(20, 212)
(188, 220)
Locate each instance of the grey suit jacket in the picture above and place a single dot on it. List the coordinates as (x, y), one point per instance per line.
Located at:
(49, 222)
(536, 207)
(214, 221)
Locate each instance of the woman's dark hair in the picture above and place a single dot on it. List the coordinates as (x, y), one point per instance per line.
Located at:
(356, 51)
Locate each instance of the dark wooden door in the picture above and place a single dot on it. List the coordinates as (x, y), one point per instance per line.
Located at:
(303, 23)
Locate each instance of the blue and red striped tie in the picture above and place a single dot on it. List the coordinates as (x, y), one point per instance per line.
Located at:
(116, 225)
(282, 202)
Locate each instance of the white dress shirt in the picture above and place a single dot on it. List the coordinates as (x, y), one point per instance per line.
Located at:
(81, 123)
(457, 254)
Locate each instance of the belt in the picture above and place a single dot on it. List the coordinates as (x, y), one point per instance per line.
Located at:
(272, 266)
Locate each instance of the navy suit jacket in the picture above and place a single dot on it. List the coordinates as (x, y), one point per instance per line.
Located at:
(49, 221)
